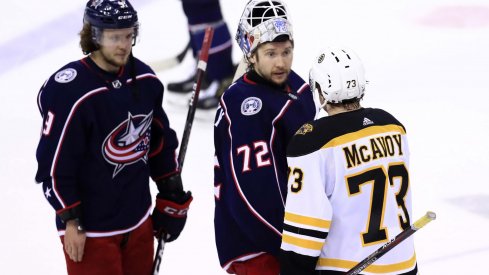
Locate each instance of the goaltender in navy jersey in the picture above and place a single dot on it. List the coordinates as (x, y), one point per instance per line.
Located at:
(254, 123)
(101, 141)
(349, 194)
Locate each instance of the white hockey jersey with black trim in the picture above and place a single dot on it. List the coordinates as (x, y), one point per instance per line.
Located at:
(348, 194)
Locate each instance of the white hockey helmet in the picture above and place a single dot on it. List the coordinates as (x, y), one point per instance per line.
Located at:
(338, 74)
(262, 21)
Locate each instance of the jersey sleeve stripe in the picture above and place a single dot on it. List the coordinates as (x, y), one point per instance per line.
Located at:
(373, 130)
(305, 231)
(374, 268)
(295, 218)
(308, 244)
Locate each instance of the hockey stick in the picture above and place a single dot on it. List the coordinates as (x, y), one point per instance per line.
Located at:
(428, 217)
(170, 62)
(241, 69)
(201, 67)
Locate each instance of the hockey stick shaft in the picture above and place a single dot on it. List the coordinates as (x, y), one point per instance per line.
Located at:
(428, 217)
(201, 67)
(241, 70)
(158, 255)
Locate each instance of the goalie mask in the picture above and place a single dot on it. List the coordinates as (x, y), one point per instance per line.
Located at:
(110, 14)
(262, 21)
(338, 75)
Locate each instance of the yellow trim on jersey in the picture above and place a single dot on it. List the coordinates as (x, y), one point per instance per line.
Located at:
(302, 242)
(373, 130)
(374, 268)
(307, 220)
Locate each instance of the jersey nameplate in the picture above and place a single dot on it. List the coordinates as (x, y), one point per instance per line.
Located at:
(375, 148)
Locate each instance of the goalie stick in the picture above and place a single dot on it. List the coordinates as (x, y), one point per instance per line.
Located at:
(428, 217)
(241, 69)
(170, 62)
(201, 67)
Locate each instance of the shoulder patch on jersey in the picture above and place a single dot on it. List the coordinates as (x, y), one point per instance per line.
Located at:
(306, 128)
(65, 75)
(251, 106)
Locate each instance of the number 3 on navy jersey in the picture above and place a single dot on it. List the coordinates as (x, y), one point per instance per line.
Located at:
(48, 124)
(260, 150)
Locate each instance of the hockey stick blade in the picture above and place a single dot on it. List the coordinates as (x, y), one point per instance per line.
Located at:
(171, 62)
(428, 217)
(201, 67)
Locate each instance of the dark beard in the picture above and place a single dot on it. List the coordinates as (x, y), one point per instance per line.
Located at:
(112, 61)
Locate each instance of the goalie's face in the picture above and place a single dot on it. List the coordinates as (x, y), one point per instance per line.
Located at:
(273, 61)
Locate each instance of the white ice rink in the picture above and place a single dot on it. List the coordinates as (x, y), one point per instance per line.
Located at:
(427, 62)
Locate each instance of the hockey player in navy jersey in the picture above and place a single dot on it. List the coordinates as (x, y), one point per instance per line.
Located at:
(256, 119)
(349, 190)
(104, 135)
(220, 69)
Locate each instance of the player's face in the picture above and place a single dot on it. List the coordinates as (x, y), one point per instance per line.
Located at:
(273, 61)
(116, 45)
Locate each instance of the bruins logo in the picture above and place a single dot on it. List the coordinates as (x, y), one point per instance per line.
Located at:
(306, 128)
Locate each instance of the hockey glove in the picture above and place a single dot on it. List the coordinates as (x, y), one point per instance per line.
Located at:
(170, 213)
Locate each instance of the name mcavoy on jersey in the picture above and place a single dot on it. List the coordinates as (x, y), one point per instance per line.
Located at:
(377, 147)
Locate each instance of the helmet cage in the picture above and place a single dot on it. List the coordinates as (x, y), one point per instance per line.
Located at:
(262, 21)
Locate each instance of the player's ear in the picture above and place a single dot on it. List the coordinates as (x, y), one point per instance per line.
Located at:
(252, 58)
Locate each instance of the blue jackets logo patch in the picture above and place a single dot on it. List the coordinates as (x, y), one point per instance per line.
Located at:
(129, 142)
(251, 106)
(65, 75)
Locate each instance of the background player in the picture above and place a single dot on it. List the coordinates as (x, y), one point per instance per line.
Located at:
(220, 69)
(257, 117)
(104, 134)
(349, 190)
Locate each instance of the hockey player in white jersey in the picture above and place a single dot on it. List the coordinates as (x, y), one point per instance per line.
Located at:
(349, 190)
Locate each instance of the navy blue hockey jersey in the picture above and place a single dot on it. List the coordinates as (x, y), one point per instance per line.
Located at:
(253, 126)
(102, 138)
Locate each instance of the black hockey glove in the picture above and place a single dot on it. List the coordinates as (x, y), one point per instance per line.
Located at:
(170, 213)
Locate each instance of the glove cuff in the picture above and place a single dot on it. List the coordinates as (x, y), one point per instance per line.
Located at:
(170, 184)
(173, 209)
(71, 213)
